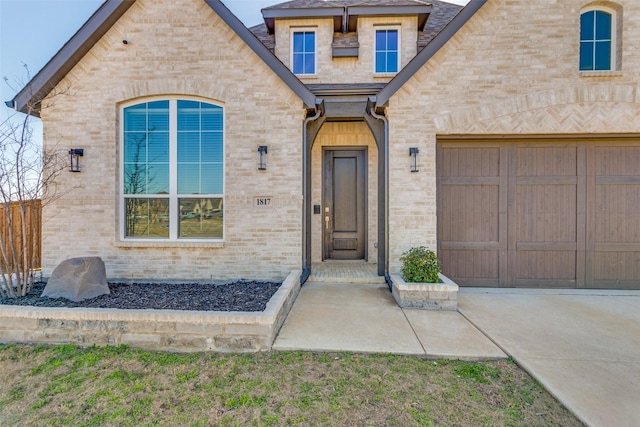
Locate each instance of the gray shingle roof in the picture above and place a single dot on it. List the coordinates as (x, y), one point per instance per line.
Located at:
(441, 14)
(260, 31)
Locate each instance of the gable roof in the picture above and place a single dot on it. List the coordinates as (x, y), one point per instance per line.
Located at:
(102, 20)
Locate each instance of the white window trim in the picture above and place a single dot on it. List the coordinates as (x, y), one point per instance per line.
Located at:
(173, 170)
(614, 36)
(377, 28)
(313, 30)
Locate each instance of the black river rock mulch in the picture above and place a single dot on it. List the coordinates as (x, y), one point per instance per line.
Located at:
(236, 296)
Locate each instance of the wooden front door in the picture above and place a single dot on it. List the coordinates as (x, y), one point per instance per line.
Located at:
(344, 207)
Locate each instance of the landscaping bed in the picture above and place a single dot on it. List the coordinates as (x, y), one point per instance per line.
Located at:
(185, 326)
(236, 296)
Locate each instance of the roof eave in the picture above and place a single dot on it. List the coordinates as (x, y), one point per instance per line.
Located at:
(428, 52)
(270, 15)
(29, 98)
(421, 11)
(389, 10)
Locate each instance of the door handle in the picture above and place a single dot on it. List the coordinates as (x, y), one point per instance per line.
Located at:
(326, 222)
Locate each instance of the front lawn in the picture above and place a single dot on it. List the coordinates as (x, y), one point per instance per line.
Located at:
(119, 386)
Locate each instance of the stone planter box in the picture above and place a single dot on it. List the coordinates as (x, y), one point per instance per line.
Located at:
(425, 296)
(165, 330)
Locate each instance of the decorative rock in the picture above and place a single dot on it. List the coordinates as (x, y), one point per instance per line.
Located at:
(77, 279)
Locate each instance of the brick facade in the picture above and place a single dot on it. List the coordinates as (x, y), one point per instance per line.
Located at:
(511, 70)
(177, 48)
(352, 69)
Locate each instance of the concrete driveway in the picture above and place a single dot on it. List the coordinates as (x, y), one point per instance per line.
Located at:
(584, 347)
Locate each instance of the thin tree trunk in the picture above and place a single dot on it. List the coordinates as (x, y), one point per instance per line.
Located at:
(25, 253)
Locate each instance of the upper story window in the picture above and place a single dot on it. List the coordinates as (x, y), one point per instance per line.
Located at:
(387, 59)
(597, 40)
(303, 52)
(172, 170)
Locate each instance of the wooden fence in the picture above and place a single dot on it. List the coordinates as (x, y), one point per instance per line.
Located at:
(11, 225)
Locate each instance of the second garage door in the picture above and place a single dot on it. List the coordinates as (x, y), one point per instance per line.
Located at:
(561, 213)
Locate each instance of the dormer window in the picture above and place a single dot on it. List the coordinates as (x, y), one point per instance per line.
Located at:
(387, 60)
(303, 52)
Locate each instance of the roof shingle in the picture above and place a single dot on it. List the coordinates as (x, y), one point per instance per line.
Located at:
(441, 14)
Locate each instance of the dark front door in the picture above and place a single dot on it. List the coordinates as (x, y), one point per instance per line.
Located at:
(344, 208)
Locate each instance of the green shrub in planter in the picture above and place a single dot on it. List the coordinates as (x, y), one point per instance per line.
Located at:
(420, 265)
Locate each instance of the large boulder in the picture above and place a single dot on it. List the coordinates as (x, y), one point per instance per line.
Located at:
(77, 279)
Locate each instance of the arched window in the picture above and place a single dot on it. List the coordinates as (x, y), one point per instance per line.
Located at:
(597, 40)
(172, 170)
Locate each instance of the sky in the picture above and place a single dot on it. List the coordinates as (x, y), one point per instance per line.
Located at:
(32, 32)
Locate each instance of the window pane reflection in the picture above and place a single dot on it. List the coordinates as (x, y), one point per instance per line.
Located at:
(200, 218)
(147, 217)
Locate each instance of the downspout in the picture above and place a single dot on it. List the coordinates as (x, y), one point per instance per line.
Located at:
(306, 200)
(385, 232)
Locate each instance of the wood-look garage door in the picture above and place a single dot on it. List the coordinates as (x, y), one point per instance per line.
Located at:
(540, 213)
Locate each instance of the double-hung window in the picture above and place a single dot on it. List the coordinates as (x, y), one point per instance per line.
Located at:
(303, 52)
(387, 59)
(172, 170)
(596, 40)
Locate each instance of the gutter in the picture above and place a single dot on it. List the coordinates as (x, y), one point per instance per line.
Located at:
(306, 195)
(384, 233)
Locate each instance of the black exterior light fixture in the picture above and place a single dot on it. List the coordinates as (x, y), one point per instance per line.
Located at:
(74, 155)
(262, 157)
(413, 152)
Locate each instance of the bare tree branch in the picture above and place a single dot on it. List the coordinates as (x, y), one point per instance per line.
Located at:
(27, 174)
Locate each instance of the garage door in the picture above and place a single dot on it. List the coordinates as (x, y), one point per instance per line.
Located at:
(559, 213)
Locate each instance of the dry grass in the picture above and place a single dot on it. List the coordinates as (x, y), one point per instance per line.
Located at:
(68, 385)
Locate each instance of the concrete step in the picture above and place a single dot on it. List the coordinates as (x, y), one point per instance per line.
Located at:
(346, 279)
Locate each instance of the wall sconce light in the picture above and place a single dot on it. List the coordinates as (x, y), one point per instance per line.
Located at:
(262, 157)
(74, 155)
(413, 152)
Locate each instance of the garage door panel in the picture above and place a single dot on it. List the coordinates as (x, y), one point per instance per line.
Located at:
(545, 213)
(473, 215)
(617, 213)
(470, 162)
(614, 247)
(616, 160)
(547, 264)
(545, 161)
(617, 265)
(471, 267)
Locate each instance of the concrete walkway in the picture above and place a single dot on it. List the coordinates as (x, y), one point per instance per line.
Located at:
(364, 317)
(584, 347)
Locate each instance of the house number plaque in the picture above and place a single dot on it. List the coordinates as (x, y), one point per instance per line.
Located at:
(262, 202)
